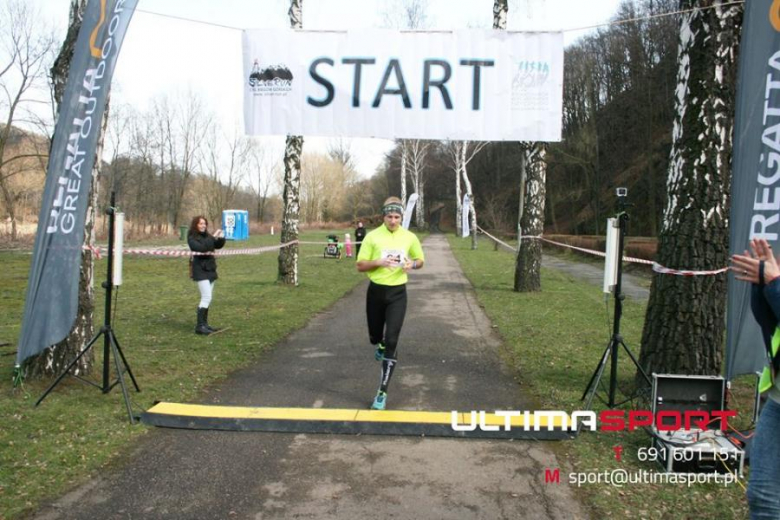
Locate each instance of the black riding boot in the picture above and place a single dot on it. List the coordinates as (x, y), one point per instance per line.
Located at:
(201, 327)
(211, 329)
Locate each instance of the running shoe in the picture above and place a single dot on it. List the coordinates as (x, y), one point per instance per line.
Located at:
(380, 352)
(379, 401)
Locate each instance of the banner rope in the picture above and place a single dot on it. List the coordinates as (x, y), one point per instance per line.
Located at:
(570, 29)
(658, 268)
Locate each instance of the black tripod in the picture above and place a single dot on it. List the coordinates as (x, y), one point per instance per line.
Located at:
(110, 343)
(617, 339)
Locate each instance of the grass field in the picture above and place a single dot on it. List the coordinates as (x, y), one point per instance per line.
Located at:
(555, 339)
(77, 431)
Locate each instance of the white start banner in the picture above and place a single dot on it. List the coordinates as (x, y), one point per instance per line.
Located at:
(479, 85)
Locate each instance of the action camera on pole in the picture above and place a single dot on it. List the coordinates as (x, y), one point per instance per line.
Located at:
(613, 281)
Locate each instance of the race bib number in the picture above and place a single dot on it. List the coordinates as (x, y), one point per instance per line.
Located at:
(395, 255)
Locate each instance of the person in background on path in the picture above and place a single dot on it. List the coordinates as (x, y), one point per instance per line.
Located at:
(347, 245)
(389, 252)
(761, 269)
(203, 268)
(360, 234)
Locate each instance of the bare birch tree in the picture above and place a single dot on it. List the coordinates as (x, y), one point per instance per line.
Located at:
(529, 254)
(460, 154)
(532, 195)
(684, 324)
(417, 154)
(288, 256)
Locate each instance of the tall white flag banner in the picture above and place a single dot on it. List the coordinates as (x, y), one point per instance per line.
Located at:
(409, 210)
(464, 216)
(462, 85)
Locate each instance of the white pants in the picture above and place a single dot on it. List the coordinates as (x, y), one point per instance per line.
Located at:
(206, 288)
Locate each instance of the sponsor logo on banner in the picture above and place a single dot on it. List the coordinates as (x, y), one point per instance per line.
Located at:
(95, 49)
(275, 80)
(606, 420)
(530, 88)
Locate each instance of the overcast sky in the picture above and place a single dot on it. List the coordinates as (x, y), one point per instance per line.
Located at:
(165, 55)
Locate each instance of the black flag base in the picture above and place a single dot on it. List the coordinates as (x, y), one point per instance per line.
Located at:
(110, 343)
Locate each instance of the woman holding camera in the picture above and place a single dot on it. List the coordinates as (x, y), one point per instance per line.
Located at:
(203, 267)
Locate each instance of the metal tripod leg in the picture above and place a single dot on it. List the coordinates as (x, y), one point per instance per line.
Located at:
(596, 377)
(70, 365)
(119, 349)
(121, 377)
(636, 364)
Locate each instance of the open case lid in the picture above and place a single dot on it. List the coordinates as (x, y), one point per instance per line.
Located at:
(684, 393)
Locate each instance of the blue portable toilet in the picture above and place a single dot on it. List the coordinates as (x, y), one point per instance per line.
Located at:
(235, 224)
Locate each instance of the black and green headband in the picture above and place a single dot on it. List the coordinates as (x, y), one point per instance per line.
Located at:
(393, 207)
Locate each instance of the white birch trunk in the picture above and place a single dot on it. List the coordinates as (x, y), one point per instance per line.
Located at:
(288, 257)
(470, 193)
(529, 254)
(521, 206)
(403, 172)
(685, 322)
(458, 197)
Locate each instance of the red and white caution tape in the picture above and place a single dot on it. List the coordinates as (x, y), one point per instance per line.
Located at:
(97, 251)
(497, 241)
(307, 243)
(187, 253)
(658, 268)
(598, 253)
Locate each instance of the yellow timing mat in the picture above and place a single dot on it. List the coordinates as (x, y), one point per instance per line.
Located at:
(353, 421)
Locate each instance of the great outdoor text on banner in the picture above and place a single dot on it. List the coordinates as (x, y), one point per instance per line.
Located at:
(463, 85)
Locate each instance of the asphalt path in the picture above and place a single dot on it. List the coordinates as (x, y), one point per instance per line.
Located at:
(449, 358)
(594, 274)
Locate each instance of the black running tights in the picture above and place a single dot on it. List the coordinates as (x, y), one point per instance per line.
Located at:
(385, 309)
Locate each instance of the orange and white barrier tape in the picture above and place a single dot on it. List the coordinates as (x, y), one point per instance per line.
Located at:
(658, 268)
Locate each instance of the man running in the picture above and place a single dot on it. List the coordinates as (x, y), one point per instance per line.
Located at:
(388, 253)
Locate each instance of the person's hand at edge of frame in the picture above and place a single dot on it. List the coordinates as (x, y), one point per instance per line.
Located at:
(747, 266)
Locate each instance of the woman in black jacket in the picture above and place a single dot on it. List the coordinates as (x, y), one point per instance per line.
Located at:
(203, 268)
